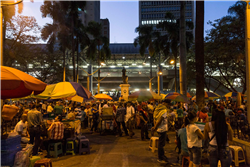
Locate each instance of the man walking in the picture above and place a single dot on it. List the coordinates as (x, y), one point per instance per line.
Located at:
(120, 116)
(34, 123)
(161, 125)
(130, 118)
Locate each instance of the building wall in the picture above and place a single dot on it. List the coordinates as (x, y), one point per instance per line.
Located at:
(105, 28)
(153, 12)
(91, 12)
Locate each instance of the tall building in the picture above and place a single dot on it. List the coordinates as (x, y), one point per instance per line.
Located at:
(153, 12)
(105, 28)
(91, 12)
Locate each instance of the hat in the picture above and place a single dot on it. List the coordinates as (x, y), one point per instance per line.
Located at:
(166, 101)
(143, 104)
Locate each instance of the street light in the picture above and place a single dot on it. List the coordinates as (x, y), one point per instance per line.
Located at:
(1, 41)
(247, 52)
(159, 74)
(171, 61)
(99, 80)
(175, 74)
(150, 83)
(88, 75)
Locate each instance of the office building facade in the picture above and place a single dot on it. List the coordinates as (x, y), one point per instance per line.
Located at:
(91, 12)
(153, 12)
(105, 28)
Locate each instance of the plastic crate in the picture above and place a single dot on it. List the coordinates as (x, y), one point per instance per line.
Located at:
(11, 143)
(8, 157)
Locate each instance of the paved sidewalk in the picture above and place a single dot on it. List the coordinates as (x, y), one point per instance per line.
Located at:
(112, 151)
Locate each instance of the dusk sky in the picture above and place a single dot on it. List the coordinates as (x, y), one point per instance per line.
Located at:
(123, 16)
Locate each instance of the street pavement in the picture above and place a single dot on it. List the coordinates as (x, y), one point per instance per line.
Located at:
(114, 151)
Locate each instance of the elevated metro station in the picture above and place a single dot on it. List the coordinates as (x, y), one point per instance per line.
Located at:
(138, 72)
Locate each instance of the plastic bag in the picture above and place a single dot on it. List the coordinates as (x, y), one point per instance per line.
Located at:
(21, 159)
(9, 111)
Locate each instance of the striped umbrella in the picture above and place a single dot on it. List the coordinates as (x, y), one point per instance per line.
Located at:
(233, 94)
(209, 95)
(144, 95)
(174, 96)
(175, 93)
(64, 90)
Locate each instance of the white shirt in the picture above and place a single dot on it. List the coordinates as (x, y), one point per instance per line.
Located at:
(164, 124)
(44, 106)
(105, 106)
(49, 109)
(151, 107)
(192, 137)
(130, 111)
(21, 127)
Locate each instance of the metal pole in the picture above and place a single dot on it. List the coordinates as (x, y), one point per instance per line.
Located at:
(1, 36)
(1, 33)
(247, 52)
(98, 86)
(150, 84)
(88, 83)
(158, 84)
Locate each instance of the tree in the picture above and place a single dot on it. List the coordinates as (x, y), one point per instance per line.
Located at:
(20, 31)
(145, 40)
(183, 66)
(8, 13)
(199, 54)
(98, 45)
(172, 27)
(48, 66)
(225, 49)
(66, 22)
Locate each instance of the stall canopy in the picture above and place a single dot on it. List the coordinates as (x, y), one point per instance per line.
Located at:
(16, 84)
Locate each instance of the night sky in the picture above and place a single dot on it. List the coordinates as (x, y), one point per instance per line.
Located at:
(123, 16)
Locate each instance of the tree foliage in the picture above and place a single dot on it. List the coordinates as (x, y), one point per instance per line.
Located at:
(225, 49)
(20, 31)
(97, 45)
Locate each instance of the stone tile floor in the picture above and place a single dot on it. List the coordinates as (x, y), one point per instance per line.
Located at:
(113, 151)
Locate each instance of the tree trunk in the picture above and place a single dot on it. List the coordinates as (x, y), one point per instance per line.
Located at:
(183, 66)
(99, 71)
(64, 64)
(175, 73)
(77, 58)
(73, 50)
(151, 62)
(199, 54)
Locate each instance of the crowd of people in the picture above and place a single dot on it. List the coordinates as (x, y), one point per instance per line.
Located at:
(158, 116)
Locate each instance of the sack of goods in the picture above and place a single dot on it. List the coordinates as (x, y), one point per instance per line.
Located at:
(9, 111)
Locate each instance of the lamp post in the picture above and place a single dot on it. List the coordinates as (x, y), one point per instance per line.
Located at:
(175, 74)
(99, 80)
(150, 83)
(89, 75)
(1, 41)
(159, 75)
(247, 53)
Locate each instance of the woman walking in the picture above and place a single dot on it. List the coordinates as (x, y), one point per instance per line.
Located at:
(194, 139)
(218, 132)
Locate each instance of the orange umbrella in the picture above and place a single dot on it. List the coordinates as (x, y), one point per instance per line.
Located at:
(103, 97)
(15, 83)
